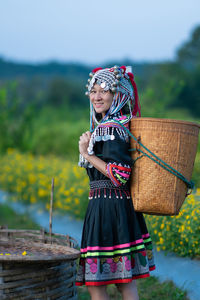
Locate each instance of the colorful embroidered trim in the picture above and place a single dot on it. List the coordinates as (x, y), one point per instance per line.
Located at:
(121, 249)
(98, 271)
(113, 123)
(119, 193)
(96, 283)
(118, 174)
(145, 240)
(105, 188)
(106, 183)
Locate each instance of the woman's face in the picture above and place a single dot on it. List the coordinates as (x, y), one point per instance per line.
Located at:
(100, 99)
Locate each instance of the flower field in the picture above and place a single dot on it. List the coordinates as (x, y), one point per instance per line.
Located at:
(29, 178)
(179, 234)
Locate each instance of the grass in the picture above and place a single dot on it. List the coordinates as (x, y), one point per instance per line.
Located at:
(15, 221)
(148, 289)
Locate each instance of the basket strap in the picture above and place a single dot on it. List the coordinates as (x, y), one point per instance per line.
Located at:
(159, 161)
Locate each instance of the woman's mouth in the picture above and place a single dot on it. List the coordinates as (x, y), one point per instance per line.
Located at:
(98, 105)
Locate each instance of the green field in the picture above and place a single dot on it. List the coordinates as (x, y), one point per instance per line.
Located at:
(15, 221)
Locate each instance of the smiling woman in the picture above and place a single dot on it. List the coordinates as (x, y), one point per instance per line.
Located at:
(116, 247)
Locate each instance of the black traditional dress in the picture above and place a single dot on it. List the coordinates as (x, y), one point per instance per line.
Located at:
(116, 246)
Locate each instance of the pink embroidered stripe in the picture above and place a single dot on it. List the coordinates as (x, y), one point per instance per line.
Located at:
(146, 235)
(113, 247)
(112, 177)
(113, 169)
(122, 174)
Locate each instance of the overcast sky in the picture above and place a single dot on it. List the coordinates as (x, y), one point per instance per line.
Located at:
(91, 31)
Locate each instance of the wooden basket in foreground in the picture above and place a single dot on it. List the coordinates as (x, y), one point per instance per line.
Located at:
(154, 190)
(34, 265)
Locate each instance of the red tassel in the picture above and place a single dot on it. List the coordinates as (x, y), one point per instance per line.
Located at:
(137, 107)
(124, 68)
(131, 76)
(96, 69)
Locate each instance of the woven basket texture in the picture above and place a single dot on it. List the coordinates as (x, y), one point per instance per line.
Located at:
(46, 271)
(154, 190)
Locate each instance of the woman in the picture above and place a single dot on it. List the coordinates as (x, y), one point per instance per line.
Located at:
(116, 247)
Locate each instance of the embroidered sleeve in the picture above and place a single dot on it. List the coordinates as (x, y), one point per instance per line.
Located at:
(118, 158)
(118, 174)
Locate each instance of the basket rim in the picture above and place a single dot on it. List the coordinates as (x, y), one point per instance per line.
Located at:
(9, 240)
(72, 253)
(163, 120)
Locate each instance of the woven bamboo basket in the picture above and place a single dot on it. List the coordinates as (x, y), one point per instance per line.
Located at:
(154, 190)
(34, 265)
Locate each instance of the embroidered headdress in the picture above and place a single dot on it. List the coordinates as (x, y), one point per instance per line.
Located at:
(121, 83)
(124, 106)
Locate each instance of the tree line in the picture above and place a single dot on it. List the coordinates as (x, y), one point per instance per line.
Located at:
(34, 96)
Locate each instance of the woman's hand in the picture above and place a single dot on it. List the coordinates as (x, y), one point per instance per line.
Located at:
(98, 163)
(84, 142)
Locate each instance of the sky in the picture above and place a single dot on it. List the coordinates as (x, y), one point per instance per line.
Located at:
(93, 32)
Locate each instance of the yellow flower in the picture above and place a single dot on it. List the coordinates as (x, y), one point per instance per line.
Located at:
(161, 241)
(80, 191)
(32, 178)
(42, 193)
(33, 199)
(162, 226)
(198, 192)
(72, 189)
(10, 178)
(19, 189)
(18, 156)
(24, 253)
(40, 166)
(10, 150)
(66, 193)
(23, 184)
(77, 201)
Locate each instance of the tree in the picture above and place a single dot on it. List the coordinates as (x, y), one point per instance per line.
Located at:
(189, 96)
(189, 53)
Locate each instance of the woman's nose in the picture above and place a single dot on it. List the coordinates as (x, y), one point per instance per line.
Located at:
(98, 95)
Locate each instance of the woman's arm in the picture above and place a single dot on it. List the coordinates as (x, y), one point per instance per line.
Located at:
(98, 163)
(117, 164)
